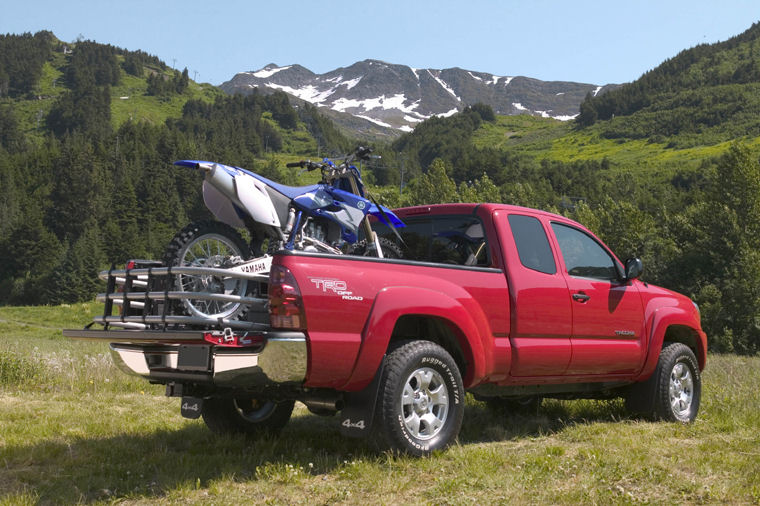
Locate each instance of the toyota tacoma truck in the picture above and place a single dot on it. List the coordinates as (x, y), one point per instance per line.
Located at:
(508, 303)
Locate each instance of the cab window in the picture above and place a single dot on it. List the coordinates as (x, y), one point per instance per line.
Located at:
(584, 257)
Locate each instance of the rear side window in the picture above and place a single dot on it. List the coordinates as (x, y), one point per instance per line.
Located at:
(532, 244)
(459, 240)
(454, 240)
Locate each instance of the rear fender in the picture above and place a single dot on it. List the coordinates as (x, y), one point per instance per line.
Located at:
(394, 302)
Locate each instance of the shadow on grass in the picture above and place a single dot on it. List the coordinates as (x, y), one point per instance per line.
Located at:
(483, 424)
(151, 465)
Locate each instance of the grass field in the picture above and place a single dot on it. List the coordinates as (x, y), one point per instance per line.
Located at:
(73, 429)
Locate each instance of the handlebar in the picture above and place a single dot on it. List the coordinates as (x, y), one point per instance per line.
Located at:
(306, 164)
(329, 171)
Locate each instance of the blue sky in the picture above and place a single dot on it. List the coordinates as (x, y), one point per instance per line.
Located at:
(596, 42)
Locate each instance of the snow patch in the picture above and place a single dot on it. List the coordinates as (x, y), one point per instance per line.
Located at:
(565, 118)
(406, 128)
(309, 93)
(416, 72)
(560, 93)
(347, 103)
(475, 77)
(381, 102)
(508, 80)
(269, 72)
(412, 119)
(597, 90)
(375, 121)
(519, 106)
(350, 84)
(447, 114)
(445, 87)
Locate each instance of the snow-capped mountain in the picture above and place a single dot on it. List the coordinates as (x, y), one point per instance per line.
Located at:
(399, 97)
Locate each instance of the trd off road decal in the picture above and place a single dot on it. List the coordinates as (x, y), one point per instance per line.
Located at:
(336, 286)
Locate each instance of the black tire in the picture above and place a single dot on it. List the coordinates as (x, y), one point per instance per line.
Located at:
(527, 405)
(390, 249)
(420, 403)
(227, 243)
(246, 416)
(673, 391)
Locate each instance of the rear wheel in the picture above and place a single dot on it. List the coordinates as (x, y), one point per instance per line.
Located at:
(421, 399)
(215, 245)
(246, 415)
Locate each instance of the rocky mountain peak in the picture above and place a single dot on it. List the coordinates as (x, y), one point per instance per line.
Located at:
(399, 97)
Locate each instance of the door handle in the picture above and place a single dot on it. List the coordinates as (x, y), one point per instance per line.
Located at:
(581, 297)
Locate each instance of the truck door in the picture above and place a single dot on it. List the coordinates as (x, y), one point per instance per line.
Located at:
(541, 313)
(608, 315)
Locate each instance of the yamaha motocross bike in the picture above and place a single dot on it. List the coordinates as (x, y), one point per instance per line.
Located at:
(325, 217)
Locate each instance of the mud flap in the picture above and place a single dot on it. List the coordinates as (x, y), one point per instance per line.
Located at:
(359, 408)
(191, 407)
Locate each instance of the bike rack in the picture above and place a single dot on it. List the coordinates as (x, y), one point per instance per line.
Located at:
(144, 298)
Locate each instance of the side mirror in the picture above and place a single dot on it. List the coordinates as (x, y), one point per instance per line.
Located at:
(633, 268)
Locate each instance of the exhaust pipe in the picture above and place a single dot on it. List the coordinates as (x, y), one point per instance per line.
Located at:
(324, 404)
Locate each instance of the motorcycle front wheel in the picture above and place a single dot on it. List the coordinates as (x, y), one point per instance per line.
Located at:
(210, 244)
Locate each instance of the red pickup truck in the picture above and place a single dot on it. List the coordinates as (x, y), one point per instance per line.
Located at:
(508, 303)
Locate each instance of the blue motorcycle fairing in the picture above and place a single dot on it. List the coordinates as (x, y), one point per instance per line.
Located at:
(289, 191)
(381, 213)
(344, 208)
(321, 200)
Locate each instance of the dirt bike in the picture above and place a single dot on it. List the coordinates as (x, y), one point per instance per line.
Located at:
(325, 217)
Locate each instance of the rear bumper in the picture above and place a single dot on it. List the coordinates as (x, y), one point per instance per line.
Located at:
(186, 357)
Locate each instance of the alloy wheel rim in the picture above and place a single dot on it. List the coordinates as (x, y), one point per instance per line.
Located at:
(681, 389)
(424, 403)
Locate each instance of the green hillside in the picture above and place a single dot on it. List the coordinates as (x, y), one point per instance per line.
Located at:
(703, 96)
(131, 97)
(546, 138)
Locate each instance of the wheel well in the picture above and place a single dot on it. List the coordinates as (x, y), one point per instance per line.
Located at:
(685, 335)
(437, 330)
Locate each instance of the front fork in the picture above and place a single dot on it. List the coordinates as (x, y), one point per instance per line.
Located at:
(373, 241)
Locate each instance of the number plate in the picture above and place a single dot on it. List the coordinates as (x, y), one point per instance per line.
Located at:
(193, 357)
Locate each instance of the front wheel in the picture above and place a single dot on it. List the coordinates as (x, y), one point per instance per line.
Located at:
(362, 249)
(421, 399)
(674, 390)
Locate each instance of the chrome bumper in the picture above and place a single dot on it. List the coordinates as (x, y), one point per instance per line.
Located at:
(283, 358)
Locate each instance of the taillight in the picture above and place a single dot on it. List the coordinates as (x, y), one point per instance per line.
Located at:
(286, 309)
